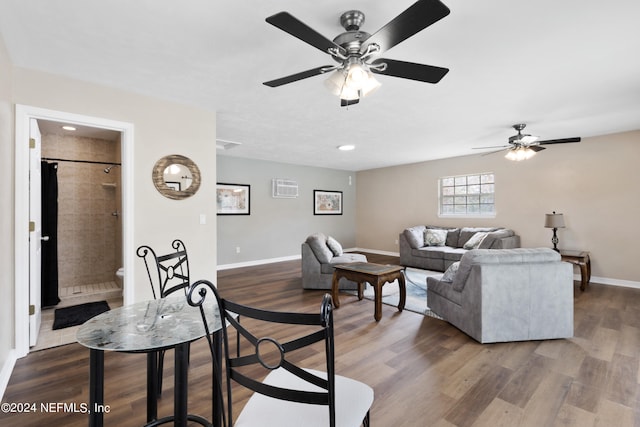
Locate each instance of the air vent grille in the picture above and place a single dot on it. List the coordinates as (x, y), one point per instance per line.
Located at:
(284, 188)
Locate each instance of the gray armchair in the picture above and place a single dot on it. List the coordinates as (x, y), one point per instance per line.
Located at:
(319, 254)
(500, 295)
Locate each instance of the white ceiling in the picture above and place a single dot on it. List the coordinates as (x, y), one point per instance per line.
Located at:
(567, 68)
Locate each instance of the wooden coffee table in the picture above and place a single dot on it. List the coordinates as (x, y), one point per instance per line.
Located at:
(375, 274)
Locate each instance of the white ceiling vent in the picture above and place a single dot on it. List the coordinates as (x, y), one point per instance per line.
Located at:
(284, 188)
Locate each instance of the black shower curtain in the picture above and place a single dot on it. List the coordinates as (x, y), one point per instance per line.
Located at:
(49, 288)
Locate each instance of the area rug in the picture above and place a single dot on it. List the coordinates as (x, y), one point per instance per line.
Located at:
(416, 285)
(78, 314)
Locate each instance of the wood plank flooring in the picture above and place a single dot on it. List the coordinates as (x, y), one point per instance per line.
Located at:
(424, 371)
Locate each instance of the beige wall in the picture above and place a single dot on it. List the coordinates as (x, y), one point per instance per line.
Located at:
(6, 212)
(593, 183)
(160, 128)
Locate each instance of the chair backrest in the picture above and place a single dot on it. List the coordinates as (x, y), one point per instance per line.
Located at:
(167, 273)
(261, 353)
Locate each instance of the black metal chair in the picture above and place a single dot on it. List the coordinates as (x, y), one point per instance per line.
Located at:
(167, 274)
(289, 395)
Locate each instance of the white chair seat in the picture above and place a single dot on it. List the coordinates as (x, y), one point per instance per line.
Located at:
(353, 400)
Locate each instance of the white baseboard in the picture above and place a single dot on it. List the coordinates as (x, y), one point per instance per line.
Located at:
(594, 279)
(258, 262)
(611, 282)
(5, 372)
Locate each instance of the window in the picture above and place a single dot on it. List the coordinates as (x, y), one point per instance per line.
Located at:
(467, 195)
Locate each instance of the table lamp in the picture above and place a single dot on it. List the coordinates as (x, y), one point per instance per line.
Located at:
(554, 220)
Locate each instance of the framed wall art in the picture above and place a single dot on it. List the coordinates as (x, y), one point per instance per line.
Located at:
(233, 199)
(327, 202)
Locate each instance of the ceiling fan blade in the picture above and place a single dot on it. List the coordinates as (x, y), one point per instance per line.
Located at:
(413, 20)
(535, 148)
(493, 146)
(347, 102)
(559, 141)
(295, 77)
(410, 70)
(292, 25)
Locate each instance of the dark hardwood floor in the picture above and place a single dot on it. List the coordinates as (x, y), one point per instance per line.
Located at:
(424, 371)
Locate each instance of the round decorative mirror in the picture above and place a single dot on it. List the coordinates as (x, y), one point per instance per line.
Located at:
(176, 177)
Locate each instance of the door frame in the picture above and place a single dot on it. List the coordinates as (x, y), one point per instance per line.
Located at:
(23, 114)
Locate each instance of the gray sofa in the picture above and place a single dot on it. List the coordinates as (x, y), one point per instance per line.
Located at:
(506, 295)
(319, 254)
(424, 247)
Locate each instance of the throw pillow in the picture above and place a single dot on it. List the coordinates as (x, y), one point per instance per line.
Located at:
(451, 272)
(335, 246)
(452, 237)
(475, 240)
(415, 236)
(467, 232)
(435, 237)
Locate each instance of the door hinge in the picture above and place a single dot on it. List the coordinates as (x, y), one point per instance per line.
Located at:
(32, 226)
(32, 143)
(32, 310)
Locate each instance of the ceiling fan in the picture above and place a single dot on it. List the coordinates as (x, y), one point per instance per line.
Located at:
(524, 146)
(357, 52)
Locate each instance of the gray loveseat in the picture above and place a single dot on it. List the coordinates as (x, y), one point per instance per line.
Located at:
(319, 254)
(435, 248)
(506, 295)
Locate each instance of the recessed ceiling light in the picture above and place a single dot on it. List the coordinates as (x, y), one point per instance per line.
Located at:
(347, 147)
(68, 128)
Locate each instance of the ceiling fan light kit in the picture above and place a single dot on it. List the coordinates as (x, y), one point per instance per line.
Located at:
(353, 83)
(520, 153)
(357, 52)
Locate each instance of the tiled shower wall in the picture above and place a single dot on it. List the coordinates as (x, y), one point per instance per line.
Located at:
(89, 235)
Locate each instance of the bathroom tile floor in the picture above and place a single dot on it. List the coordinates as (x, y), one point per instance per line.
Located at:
(73, 295)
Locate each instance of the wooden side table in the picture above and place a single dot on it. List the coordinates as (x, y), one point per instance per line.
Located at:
(582, 260)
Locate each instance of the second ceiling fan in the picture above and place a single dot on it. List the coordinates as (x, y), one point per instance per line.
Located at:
(358, 53)
(524, 146)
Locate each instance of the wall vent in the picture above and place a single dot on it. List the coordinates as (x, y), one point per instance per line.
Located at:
(284, 188)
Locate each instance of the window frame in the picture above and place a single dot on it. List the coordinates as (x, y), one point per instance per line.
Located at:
(464, 193)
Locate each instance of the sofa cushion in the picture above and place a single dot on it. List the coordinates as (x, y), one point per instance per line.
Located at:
(475, 240)
(415, 236)
(318, 244)
(453, 254)
(451, 272)
(435, 237)
(335, 246)
(429, 252)
(345, 258)
(467, 232)
(493, 238)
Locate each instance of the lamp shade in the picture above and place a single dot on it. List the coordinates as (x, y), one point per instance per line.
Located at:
(554, 220)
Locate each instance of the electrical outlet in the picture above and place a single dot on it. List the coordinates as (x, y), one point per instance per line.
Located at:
(396, 241)
(237, 249)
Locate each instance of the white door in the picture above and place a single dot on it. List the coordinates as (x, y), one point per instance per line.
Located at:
(35, 234)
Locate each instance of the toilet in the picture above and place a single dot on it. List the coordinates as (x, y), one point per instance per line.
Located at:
(120, 277)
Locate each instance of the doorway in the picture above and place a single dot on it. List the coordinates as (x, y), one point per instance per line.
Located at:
(83, 229)
(24, 115)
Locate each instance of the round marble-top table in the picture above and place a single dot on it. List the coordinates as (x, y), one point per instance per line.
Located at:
(147, 327)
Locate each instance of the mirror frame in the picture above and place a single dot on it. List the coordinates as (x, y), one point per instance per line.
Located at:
(158, 177)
